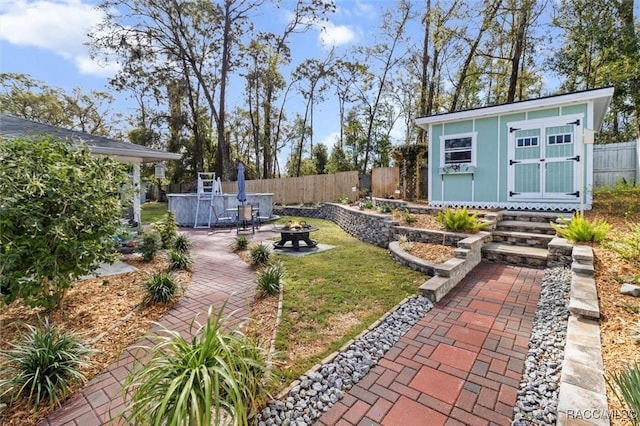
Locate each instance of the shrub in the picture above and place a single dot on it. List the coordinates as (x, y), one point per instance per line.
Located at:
(167, 230)
(161, 288)
(620, 199)
(151, 243)
(260, 254)
(179, 260)
(242, 242)
(627, 245)
(385, 208)
(196, 381)
(460, 220)
(404, 242)
(270, 280)
(579, 229)
(44, 365)
(182, 243)
(407, 217)
(343, 199)
(625, 385)
(60, 208)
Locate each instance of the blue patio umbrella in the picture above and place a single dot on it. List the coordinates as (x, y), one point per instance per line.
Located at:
(242, 196)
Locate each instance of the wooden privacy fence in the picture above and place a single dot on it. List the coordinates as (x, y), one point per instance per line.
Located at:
(616, 161)
(384, 182)
(314, 189)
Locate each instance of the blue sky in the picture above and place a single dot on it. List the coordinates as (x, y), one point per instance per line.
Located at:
(44, 39)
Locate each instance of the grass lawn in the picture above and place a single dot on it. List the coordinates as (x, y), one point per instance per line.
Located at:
(153, 211)
(332, 296)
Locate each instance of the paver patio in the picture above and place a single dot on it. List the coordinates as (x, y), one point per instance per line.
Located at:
(460, 364)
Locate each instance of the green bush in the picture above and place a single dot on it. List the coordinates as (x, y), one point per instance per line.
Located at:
(44, 365)
(196, 381)
(627, 244)
(385, 208)
(579, 229)
(151, 244)
(460, 220)
(270, 280)
(260, 254)
(242, 242)
(621, 199)
(625, 385)
(60, 208)
(343, 199)
(182, 243)
(179, 260)
(167, 229)
(407, 217)
(160, 288)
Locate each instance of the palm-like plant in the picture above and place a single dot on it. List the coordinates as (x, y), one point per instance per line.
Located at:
(214, 376)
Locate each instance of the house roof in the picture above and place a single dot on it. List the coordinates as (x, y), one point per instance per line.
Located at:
(601, 98)
(16, 127)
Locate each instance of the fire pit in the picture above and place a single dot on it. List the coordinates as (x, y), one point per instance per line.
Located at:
(296, 232)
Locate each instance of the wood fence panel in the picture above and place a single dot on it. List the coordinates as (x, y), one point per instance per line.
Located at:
(616, 161)
(314, 188)
(384, 181)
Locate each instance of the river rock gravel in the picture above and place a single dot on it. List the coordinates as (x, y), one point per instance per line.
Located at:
(537, 400)
(317, 391)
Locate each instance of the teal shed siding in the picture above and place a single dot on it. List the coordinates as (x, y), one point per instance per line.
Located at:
(489, 180)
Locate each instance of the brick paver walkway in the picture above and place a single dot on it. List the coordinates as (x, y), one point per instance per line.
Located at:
(218, 276)
(459, 365)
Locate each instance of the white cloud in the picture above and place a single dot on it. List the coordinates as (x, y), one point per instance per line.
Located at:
(330, 140)
(336, 35)
(60, 26)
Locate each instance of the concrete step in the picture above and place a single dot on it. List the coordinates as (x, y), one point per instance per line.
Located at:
(527, 216)
(526, 239)
(525, 226)
(533, 257)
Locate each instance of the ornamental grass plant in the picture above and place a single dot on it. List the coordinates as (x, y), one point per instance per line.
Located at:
(579, 229)
(43, 366)
(211, 377)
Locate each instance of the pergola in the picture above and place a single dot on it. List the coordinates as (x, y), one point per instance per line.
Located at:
(125, 152)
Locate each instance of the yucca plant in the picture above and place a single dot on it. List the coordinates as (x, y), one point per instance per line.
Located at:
(161, 288)
(270, 280)
(179, 260)
(182, 243)
(44, 365)
(625, 385)
(210, 378)
(579, 229)
(260, 254)
(460, 220)
(151, 243)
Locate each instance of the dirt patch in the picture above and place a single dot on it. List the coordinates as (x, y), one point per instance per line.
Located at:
(105, 310)
(434, 253)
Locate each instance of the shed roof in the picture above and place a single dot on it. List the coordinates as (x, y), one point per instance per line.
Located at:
(601, 98)
(16, 127)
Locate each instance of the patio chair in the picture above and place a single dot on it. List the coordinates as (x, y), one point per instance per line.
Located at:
(222, 220)
(246, 217)
(259, 218)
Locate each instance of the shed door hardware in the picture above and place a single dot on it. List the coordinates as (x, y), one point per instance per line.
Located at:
(512, 162)
(512, 129)
(575, 194)
(577, 122)
(511, 193)
(576, 158)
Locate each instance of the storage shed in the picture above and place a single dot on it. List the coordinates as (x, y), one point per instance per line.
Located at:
(535, 154)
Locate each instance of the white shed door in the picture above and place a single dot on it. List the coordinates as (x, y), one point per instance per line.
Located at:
(543, 159)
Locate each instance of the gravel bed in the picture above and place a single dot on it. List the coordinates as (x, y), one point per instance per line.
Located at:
(317, 391)
(537, 400)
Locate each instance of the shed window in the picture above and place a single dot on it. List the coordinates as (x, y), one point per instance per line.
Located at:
(458, 149)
